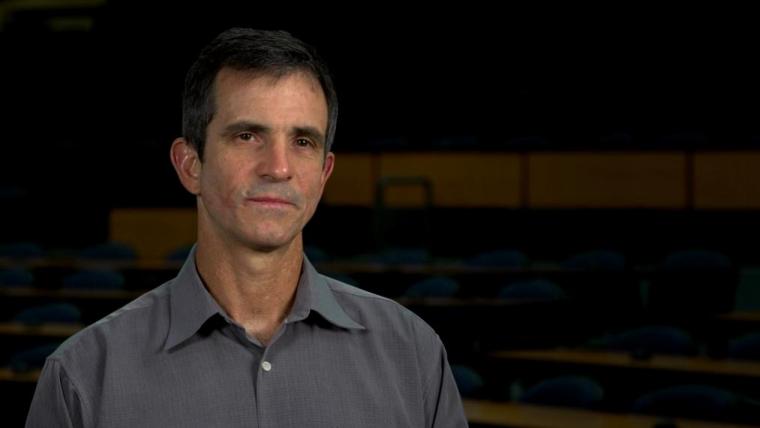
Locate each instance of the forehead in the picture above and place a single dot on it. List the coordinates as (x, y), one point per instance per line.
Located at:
(295, 94)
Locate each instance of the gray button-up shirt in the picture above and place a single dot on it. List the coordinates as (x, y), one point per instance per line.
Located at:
(173, 358)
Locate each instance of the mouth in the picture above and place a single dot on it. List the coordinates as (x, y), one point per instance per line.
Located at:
(269, 201)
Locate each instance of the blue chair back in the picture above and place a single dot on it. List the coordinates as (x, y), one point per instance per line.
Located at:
(438, 286)
(500, 258)
(109, 251)
(650, 340)
(51, 313)
(571, 391)
(469, 382)
(687, 401)
(100, 279)
(746, 347)
(21, 250)
(32, 358)
(16, 277)
(535, 289)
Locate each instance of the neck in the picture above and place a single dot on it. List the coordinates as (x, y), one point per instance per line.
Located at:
(255, 288)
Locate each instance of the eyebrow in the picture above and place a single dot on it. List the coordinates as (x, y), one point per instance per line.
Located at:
(245, 126)
(257, 128)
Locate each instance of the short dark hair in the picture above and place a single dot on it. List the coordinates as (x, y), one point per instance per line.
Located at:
(273, 53)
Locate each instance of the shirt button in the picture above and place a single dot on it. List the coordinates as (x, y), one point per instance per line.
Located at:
(266, 365)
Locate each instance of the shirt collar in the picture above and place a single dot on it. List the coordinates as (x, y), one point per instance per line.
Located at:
(322, 298)
(191, 305)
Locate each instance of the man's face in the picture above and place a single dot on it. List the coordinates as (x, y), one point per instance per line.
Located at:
(264, 164)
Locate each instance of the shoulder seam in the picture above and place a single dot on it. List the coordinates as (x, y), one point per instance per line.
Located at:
(83, 398)
(125, 309)
(362, 293)
(75, 339)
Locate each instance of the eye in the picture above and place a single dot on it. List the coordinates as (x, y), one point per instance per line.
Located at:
(303, 142)
(246, 136)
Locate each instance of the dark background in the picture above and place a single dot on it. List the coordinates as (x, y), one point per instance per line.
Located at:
(91, 96)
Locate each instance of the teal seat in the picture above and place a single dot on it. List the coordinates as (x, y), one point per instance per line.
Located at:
(597, 260)
(500, 258)
(534, 289)
(31, 358)
(687, 401)
(656, 339)
(570, 391)
(50, 313)
(438, 286)
(109, 251)
(21, 250)
(16, 277)
(469, 382)
(746, 347)
(101, 279)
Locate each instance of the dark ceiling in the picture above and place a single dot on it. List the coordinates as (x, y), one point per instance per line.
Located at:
(91, 96)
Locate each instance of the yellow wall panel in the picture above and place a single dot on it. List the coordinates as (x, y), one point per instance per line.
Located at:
(153, 232)
(352, 180)
(727, 180)
(458, 179)
(607, 180)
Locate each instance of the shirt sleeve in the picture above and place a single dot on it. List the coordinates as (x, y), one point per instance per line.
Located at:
(443, 402)
(56, 401)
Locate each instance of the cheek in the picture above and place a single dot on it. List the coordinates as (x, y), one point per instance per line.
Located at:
(313, 192)
(221, 187)
(313, 185)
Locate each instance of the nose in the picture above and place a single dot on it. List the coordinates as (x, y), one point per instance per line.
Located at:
(274, 164)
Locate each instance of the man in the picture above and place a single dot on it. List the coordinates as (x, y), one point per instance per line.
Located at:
(248, 333)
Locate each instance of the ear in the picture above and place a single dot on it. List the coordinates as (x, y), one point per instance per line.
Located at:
(186, 162)
(327, 168)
